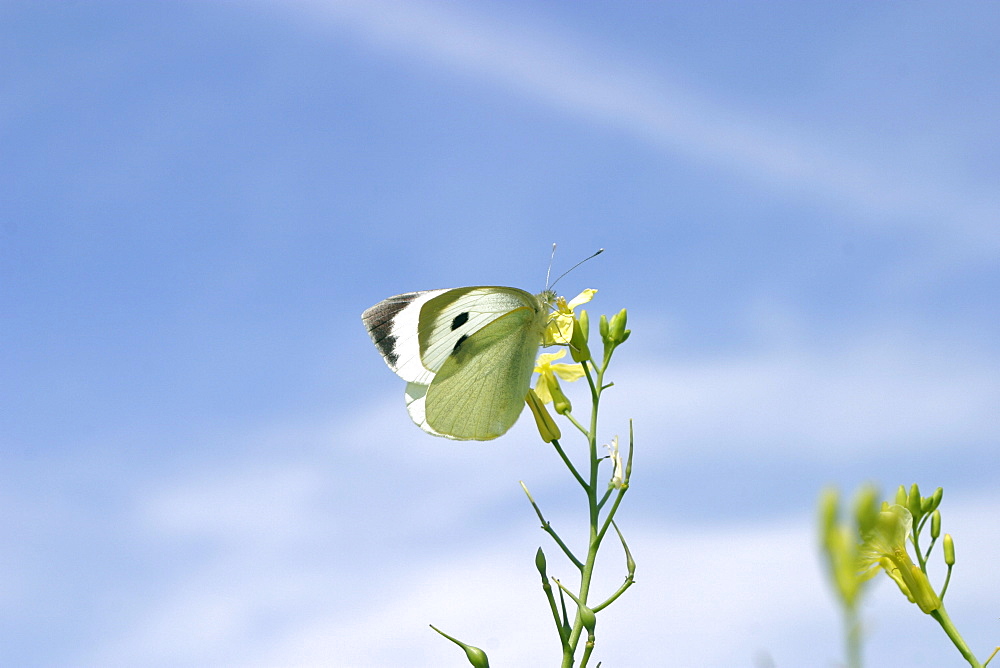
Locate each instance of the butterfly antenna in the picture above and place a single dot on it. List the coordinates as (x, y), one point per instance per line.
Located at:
(548, 272)
(599, 251)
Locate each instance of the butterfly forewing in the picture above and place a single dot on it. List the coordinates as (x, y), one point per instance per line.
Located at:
(455, 315)
(394, 325)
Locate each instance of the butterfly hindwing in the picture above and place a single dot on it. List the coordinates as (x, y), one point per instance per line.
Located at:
(478, 393)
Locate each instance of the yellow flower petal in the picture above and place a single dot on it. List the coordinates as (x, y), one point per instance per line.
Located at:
(542, 388)
(568, 372)
(559, 330)
(581, 298)
(546, 359)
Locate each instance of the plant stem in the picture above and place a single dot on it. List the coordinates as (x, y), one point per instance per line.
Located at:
(594, 542)
(852, 636)
(941, 615)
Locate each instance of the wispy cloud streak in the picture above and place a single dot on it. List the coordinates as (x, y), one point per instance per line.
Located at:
(550, 69)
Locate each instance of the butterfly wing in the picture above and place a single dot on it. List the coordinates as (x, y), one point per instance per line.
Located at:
(416, 331)
(394, 326)
(479, 391)
(468, 354)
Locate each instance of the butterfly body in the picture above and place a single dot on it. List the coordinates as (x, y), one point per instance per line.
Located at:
(467, 355)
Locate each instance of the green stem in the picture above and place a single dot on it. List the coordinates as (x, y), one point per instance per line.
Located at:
(568, 463)
(547, 588)
(587, 650)
(852, 636)
(941, 615)
(611, 599)
(947, 580)
(594, 542)
(611, 514)
(547, 528)
(604, 499)
(569, 416)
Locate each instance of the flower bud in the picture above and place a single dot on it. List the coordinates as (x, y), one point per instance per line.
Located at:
(616, 330)
(936, 524)
(560, 402)
(936, 498)
(540, 564)
(913, 502)
(547, 428)
(578, 348)
(901, 496)
(949, 550)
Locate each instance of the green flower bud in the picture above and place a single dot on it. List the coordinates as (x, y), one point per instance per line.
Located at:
(578, 348)
(949, 550)
(560, 402)
(602, 327)
(936, 524)
(616, 331)
(936, 498)
(547, 427)
(901, 496)
(540, 564)
(913, 502)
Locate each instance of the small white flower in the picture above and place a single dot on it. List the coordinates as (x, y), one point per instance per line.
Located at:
(618, 474)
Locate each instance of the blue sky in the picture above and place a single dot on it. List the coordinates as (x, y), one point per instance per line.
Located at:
(203, 461)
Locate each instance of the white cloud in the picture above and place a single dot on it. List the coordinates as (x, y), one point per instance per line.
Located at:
(884, 390)
(706, 595)
(345, 550)
(549, 67)
(244, 503)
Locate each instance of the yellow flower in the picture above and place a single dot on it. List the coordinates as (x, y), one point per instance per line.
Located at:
(559, 330)
(884, 547)
(840, 542)
(547, 386)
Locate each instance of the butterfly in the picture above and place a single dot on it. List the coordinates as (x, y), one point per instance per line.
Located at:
(466, 354)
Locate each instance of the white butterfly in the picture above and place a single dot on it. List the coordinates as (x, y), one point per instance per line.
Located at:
(467, 355)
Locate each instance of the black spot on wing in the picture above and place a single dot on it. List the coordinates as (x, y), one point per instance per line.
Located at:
(458, 343)
(459, 320)
(387, 346)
